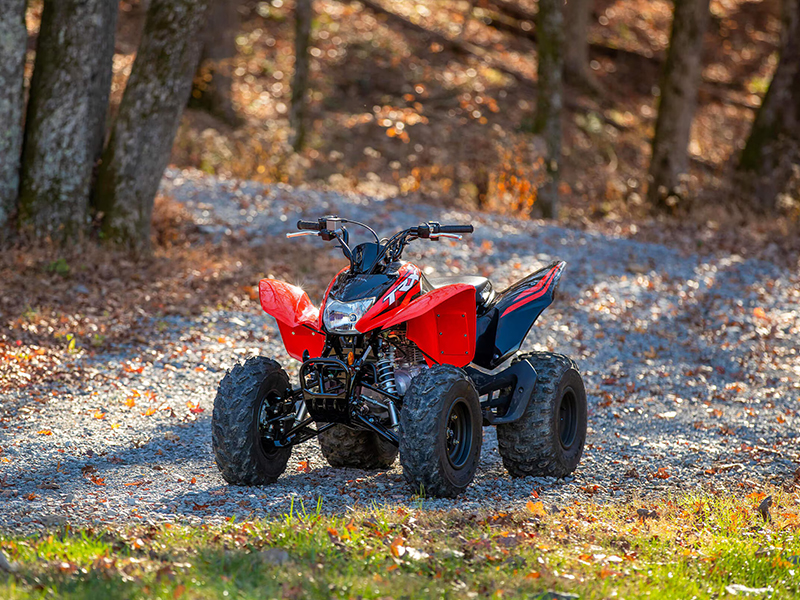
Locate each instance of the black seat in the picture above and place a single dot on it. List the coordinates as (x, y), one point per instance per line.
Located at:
(479, 283)
(484, 294)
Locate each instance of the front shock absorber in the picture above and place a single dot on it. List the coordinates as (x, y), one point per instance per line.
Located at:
(385, 371)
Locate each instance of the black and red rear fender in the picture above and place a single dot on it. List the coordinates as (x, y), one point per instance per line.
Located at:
(503, 328)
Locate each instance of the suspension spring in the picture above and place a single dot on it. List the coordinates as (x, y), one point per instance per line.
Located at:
(385, 369)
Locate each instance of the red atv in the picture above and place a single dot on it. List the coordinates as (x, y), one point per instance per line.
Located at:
(395, 361)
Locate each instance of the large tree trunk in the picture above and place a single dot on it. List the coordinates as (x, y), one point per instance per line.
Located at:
(302, 32)
(212, 82)
(65, 123)
(549, 101)
(149, 114)
(576, 44)
(669, 164)
(774, 141)
(13, 41)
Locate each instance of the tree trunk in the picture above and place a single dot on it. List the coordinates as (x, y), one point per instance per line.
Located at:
(65, 123)
(212, 82)
(576, 45)
(13, 41)
(669, 164)
(547, 123)
(148, 118)
(302, 32)
(774, 141)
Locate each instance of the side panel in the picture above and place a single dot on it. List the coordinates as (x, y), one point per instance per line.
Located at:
(298, 318)
(442, 324)
(502, 329)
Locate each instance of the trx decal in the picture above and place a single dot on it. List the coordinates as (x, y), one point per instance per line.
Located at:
(405, 285)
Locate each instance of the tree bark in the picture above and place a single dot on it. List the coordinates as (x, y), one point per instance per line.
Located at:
(13, 41)
(669, 164)
(212, 82)
(576, 46)
(549, 102)
(65, 123)
(774, 141)
(149, 114)
(302, 32)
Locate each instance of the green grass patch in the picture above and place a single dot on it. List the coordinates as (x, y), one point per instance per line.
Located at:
(695, 547)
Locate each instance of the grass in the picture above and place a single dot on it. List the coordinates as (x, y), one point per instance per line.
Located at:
(695, 547)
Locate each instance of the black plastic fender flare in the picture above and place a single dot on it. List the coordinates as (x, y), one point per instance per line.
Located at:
(521, 375)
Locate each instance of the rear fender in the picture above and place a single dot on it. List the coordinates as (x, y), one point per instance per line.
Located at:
(297, 317)
(442, 324)
(503, 328)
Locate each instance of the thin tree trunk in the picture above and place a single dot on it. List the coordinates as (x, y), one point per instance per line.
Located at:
(576, 44)
(149, 114)
(65, 123)
(774, 141)
(549, 102)
(13, 40)
(302, 32)
(212, 82)
(669, 164)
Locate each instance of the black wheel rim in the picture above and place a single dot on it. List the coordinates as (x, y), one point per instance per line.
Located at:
(267, 432)
(458, 434)
(568, 419)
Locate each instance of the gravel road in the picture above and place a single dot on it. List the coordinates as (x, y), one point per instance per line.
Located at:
(691, 363)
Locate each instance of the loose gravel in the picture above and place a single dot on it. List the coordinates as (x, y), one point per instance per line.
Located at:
(690, 362)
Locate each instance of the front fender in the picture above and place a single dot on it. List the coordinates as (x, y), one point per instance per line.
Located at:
(442, 324)
(297, 317)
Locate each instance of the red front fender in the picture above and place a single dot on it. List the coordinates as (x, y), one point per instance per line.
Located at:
(298, 318)
(442, 324)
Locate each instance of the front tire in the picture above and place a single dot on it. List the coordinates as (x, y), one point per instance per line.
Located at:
(548, 439)
(241, 452)
(356, 448)
(441, 432)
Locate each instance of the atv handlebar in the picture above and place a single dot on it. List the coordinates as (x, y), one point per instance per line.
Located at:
(332, 228)
(312, 225)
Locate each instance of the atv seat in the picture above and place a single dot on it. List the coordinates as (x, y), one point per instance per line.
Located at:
(484, 293)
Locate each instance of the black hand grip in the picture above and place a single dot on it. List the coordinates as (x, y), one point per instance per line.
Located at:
(312, 225)
(456, 229)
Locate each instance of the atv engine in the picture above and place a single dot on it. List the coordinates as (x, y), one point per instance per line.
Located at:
(409, 362)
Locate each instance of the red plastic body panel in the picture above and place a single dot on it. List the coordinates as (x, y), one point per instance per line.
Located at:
(298, 318)
(445, 332)
(442, 324)
(393, 301)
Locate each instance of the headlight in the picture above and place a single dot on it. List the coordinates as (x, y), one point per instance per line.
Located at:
(341, 317)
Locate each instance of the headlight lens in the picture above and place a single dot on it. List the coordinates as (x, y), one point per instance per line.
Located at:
(341, 317)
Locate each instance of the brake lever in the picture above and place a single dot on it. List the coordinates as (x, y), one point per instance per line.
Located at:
(301, 233)
(452, 236)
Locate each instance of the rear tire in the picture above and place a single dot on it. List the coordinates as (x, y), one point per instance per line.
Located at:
(441, 432)
(356, 448)
(241, 453)
(548, 439)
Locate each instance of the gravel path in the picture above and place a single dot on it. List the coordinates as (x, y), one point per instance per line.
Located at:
(691, 364)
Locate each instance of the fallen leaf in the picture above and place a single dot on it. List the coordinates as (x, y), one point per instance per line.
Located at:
(45, 432)
(194, 408)
(760, 313)
(303, 467)
(536, 508)
(99, 414)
